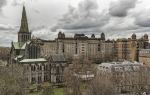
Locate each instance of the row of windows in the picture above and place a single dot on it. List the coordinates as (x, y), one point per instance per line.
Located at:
(39, 80)
(127, 68)
(141, 52)
(34, 51)
(83, 47)
(39, 67)
(24, 37)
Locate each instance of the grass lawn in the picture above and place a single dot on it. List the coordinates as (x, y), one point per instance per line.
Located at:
(57, 91)
(34, 94)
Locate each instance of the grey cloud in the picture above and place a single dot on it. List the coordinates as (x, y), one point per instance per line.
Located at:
(144, 22)
(44, 33)
(143, 18)
(120, 8)
(8, 33)
(21, 2)
(2, 4)
(17, 2)
(7, 37)
(37, 28)
(86, 16)
(120, 24)
(127, 33)
(36, 11)
(7, 27)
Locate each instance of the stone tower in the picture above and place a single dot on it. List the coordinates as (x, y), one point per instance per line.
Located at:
(24, 35)
(102, 36)
(133, 48)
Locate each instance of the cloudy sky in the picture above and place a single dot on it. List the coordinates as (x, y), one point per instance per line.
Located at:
(116, 18)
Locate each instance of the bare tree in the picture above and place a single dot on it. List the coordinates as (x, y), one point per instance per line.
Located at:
(132, 82)
(12, 80)
(101, 85)
(76, 76)
(72, 83)
(141, 81)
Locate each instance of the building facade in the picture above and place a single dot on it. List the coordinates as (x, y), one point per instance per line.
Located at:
(127, 77)
(128, 49)
(144, 56)
(96, 49)
(81, 45)
(57, 64)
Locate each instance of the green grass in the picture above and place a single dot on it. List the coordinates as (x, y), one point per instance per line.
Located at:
(57, 91)
(34, 94)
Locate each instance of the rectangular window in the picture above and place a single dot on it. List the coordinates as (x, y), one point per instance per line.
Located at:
(45, 78)
(33, 80)
(39, 79)
(99, 49)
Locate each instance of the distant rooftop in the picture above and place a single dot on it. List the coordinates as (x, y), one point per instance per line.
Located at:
(120, 66)
(121, 63)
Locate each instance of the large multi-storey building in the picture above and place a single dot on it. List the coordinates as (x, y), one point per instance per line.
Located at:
(144, 56)
(97, 49)
(80, 44)
(127, 49)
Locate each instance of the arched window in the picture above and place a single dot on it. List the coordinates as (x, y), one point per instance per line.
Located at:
(45, 67)
(99, 47)
(33, 80)
(33, 68)
(45, 78)
(34, 51)
(39, 79)
(39, 67)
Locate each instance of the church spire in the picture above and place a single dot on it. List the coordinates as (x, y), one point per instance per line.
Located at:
(24, 35)
(24, 22)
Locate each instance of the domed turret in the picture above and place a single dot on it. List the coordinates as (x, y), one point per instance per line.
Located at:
(60, 34)
(63, 35)
(92, 36)
(134, 36)
(103, 36)
(145, 37)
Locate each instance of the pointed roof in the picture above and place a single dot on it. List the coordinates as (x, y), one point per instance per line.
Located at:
(24, 22)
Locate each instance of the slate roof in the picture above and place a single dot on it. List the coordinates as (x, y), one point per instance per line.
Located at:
(33, 60)
(18, 57)
(120, 66)
(24, 46)
(58, 58)
(18, 45)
